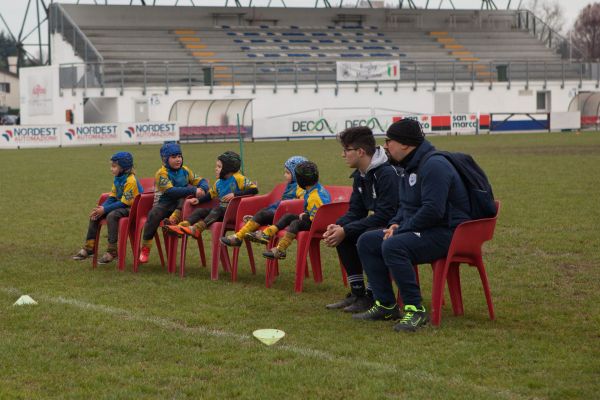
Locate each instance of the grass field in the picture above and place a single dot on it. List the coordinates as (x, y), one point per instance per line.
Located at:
(104, 334)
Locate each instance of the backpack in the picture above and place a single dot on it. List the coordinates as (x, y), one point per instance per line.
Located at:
(479, 189)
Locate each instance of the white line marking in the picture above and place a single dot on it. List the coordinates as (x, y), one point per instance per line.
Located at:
(303, 351)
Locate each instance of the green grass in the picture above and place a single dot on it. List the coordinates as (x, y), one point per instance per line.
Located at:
(105, 334)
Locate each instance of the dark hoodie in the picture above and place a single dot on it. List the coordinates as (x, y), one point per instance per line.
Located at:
(431, 195)
(377, 191)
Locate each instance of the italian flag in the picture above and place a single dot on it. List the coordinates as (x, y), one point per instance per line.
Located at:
(392, 70)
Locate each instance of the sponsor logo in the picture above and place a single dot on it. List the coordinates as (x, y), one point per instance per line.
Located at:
(318, 126)
(130, 131)
(38, 90)
(70, 133)
(372, 123)
(7, 135)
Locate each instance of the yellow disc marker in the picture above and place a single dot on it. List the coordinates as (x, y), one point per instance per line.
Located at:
(269, 336)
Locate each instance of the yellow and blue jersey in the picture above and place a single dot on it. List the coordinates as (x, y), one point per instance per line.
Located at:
(124, 190)
(237, 184)
(314, 198)
(174, 184)
(291, 192)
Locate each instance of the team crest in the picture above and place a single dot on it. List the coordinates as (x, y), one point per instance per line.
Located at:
(412, 179)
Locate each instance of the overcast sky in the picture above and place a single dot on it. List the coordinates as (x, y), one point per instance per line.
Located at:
(14, 10)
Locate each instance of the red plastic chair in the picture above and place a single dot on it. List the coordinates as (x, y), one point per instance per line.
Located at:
(147, 184)
(143, 208)
(339, 193)
(249, 206)
(465, 247)
(308, 244)
(187, 210)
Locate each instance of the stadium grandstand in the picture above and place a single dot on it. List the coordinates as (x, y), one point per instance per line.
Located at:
(280, 68)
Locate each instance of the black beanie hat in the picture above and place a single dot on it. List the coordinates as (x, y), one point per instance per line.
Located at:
(307, 174)
(406, 131)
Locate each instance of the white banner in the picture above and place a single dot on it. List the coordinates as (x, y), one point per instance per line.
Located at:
(368, 71)
(15, 136)
(149, 132)
(39, 93)
(79, 135)
(316, 127)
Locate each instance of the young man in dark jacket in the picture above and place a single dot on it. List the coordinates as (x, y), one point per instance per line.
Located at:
(373, 203)
(433, 202)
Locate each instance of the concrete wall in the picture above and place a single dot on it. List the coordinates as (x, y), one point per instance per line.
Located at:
(11, 98)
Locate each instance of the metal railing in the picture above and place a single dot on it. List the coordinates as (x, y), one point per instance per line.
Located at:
(61, 22)
(167, 75)
(544, 33)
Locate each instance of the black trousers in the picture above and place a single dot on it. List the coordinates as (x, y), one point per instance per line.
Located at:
(112, 222)
(157, 214)
(348, 253)
(264, 216)
(293, 223)
(209, 215)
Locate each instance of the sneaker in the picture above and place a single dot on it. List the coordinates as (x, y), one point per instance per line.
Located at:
(380, 312)
(82, 254)
(107, 258)
(258, 237)
(173, 230)
(345, 302)
(144, 254)
(274, 254)
(231, 240)
(414, 318)
(191, 231)
(360, 305)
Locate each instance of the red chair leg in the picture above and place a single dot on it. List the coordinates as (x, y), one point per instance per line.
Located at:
(216, 255)
(182, 255)
(234, 263)
(344, 275)
(251, 257)
(301, 255)
(314, 253)
(439, 280)
(137, 239)
(201, 251)
(122, 243)
(224, 257)
(454, 288)
(159, 249)
(486, 290)
(95, 256)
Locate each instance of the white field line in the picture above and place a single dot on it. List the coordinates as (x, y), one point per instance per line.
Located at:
(167, 324)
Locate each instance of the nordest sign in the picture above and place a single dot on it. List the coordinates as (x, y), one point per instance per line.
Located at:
(14, 136)
(149, 132)
(78, 135)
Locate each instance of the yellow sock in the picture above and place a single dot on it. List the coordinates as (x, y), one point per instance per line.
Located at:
(250, 226)
(200, 226)
(175, 218)
(271, 230)
(285, 241)
(147, 243)
(89, 244)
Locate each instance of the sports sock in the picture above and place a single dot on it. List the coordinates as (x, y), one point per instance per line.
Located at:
(286, 241)
(357, 284)
(89, 244)
(250, 226)
(271, 230)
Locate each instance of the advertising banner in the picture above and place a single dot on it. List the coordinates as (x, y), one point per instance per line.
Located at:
(80, 135)
(368, 71)
(39, 93)
(15, 136)
(149, 132)
(316, 127)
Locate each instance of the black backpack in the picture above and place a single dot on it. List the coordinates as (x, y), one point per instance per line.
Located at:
(476, 182)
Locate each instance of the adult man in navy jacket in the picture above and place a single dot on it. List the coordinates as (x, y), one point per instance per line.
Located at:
(373, 203)
(433, 201)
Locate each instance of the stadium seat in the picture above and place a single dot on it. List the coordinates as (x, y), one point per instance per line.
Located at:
(144, 206)
(250, 206)
(308, 244)
(147, 184)
(465, 248)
